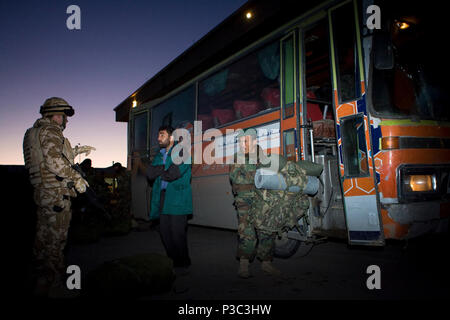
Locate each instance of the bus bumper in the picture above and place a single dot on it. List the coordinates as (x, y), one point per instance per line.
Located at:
(410, 220)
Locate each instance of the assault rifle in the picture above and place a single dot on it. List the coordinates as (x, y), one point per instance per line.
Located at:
(91, 196)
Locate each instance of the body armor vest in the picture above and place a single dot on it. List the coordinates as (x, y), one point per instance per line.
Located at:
(32, 153)
(68, 151)
(39, 175)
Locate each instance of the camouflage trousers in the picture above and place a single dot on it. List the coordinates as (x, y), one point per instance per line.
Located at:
(253, 242)
(53, 221)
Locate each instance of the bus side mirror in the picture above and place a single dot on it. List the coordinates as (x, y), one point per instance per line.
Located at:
(383, 51)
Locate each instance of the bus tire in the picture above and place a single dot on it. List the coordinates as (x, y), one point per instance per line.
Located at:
(285, 247)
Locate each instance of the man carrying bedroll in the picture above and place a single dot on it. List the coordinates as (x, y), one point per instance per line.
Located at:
(171, 199)
(251, 241)
(49, 158)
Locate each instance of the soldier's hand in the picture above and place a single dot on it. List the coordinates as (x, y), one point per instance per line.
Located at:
(81, 185)
(85, 149)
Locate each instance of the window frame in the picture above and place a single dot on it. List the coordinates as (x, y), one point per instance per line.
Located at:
(282, 75)
(357, 53)
(345, 157)
(285, 133)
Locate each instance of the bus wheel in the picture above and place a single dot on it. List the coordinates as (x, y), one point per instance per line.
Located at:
(285, 247)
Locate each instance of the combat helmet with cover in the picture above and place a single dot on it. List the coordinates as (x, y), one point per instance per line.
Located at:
(56, 105)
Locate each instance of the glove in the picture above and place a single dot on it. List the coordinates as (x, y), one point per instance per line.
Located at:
(84, 149)
(81, 185)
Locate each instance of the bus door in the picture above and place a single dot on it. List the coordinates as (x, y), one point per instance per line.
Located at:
(356, 165)
(138, 149)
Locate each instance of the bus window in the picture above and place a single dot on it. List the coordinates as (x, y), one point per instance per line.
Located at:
(289, 144)
(288, 77)
(140, 132)
(242, 89)
(344, 37)
(354, 147)
(318, 72)
(177, 111)
(414, 85)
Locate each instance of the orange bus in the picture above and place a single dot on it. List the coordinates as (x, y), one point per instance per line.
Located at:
(353, 85)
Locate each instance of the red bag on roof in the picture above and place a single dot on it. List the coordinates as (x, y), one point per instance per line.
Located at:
(222, 116)
(271, 97)
(207, 121)
(246, 108)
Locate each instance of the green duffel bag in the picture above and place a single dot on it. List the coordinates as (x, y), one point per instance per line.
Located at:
(311, 168)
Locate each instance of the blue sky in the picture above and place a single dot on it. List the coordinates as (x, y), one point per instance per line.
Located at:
(121, 45)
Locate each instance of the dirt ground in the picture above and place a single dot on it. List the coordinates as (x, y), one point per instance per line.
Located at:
(331, 270)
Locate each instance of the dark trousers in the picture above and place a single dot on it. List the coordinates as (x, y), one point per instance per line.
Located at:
(173, 231)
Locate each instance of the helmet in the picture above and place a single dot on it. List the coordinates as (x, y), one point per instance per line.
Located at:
(55, 105)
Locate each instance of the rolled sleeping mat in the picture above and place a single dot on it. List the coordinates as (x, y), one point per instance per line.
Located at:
(267, 179)
(312, 186)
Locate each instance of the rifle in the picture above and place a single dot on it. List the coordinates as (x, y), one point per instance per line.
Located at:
(91, 195)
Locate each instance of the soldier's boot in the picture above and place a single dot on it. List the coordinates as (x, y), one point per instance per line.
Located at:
(269, 269)
(243, 268)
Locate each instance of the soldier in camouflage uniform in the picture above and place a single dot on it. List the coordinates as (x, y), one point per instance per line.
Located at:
(252, 240)
(48, 158)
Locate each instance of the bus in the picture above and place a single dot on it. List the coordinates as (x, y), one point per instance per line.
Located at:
(355, 85)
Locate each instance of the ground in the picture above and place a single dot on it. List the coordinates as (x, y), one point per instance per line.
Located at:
(331, 270)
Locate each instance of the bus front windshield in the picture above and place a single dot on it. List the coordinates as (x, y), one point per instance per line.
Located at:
(413, 85)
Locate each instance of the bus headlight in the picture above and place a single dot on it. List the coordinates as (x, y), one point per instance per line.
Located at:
(420, 182)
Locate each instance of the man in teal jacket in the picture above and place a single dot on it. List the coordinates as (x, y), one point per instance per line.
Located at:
(171, 198)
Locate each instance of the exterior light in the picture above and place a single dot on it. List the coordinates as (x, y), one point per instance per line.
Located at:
(134, 103)
(421, 183)
(249, 15)
(402, 25)
(389, 143)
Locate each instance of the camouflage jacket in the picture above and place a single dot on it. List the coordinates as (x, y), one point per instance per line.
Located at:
(242, 177)
(55, 169)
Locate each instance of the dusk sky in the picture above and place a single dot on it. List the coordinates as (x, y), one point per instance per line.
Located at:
(121, 45)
